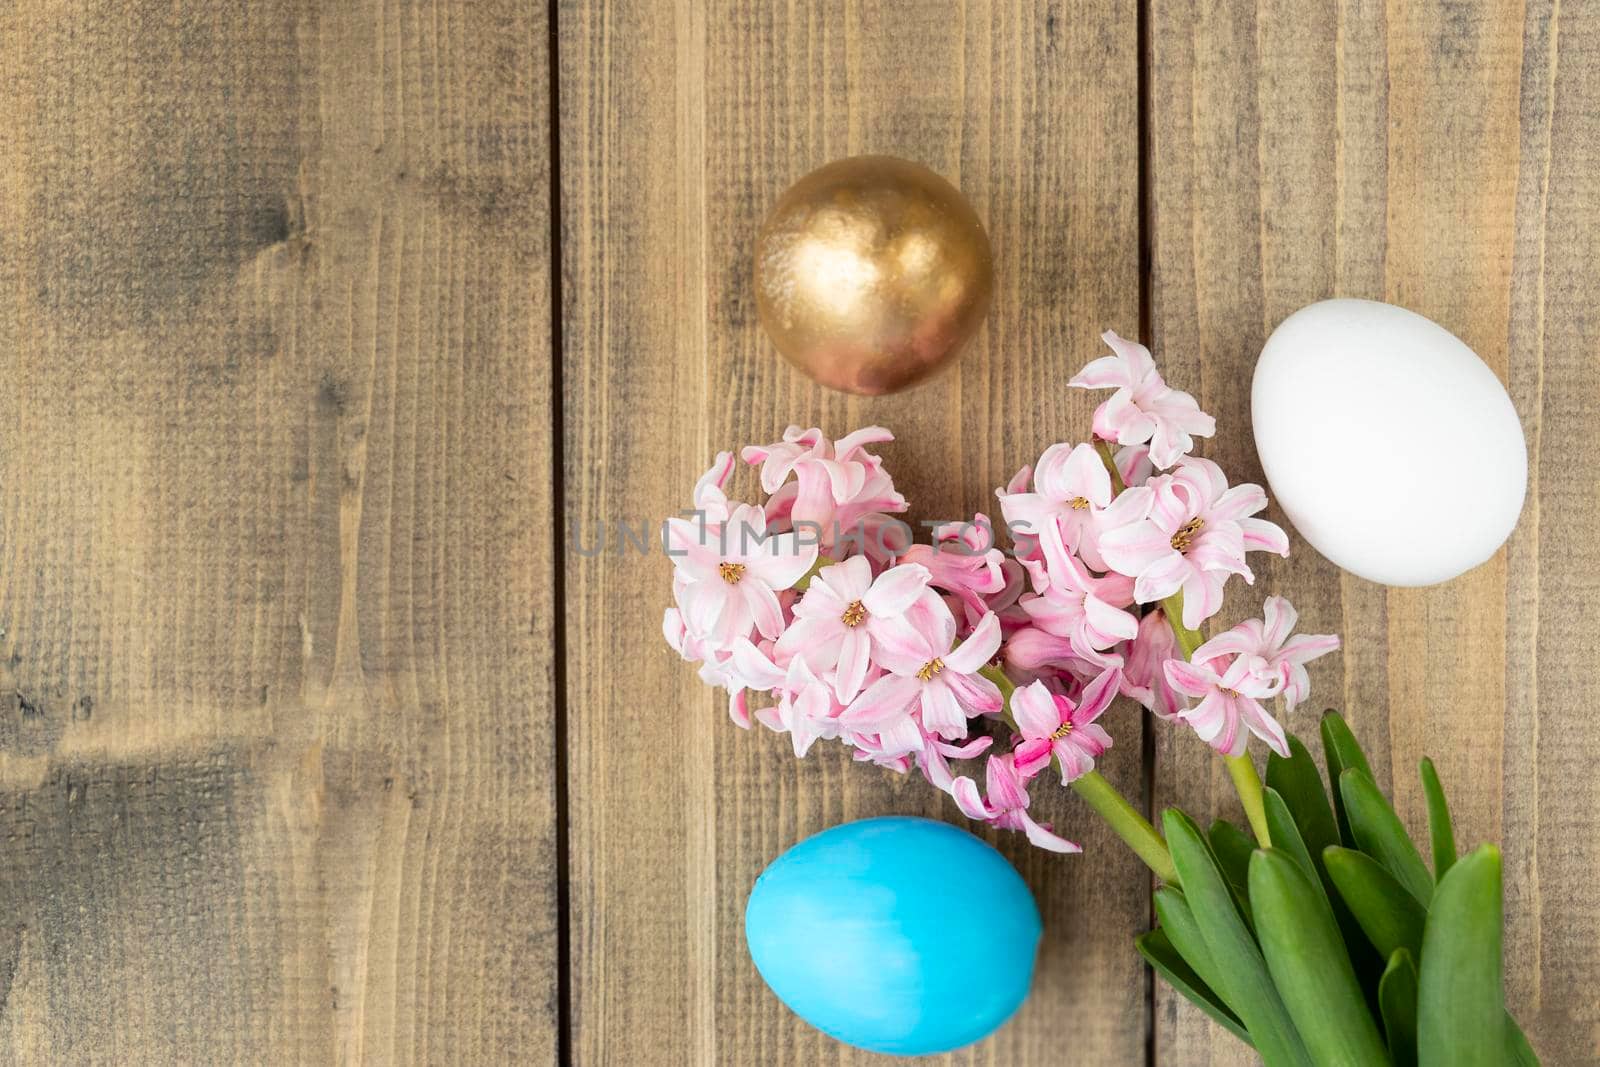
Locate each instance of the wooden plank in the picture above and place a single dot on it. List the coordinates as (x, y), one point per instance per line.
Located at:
(1440, 157)
(680, 125)
(275, 544)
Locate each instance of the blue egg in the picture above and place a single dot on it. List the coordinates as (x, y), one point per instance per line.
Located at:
(896, 935)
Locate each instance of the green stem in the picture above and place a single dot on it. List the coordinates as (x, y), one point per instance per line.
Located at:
(1134, 829)
(804, 582)
(1110, 460)
(1246, 782)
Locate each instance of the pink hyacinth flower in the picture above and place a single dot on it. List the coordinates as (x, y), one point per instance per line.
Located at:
(1266, 642)
(1071, 486)
(1053, 725)
(844, 606)
(1087, 611)
(930, 677)
(1227, 701)
(1143, 408)
(1195, 534)
(935, 757)
(731, 573)
(837, 485)
(1144, 674)
(1007, 804)
(964, 562)
(806, 709)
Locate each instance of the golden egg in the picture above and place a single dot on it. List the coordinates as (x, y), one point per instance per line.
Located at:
(871, 273)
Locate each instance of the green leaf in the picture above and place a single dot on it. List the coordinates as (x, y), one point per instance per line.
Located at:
(1240, 972)
(1308, 963)
(1341, 752)
(1286, 836)
(1518, 1051)
(1298, 781)
(1380, 834)
(1159, 952)
(1397, 998)
(1389, 916)
(1440, 831)
(1461, 1017)
(1232, 847)
(1177, 919)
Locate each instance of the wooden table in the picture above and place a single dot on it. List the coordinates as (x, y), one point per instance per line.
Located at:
(323, 322)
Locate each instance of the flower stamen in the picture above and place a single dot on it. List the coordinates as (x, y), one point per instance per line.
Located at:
(1061, 731)
(854, 613)
(1078, 503)
(731, 572)
(930, 668)
(1186, 533)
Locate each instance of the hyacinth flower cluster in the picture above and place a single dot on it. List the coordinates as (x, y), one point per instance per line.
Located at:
(1000, 646)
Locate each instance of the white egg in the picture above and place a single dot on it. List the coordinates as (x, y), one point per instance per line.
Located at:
(1389, 444)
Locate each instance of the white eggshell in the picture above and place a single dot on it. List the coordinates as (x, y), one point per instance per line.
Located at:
(1389, 444)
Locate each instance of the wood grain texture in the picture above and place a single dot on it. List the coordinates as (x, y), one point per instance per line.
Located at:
(275, 554)
(1439, 156)
(680, 125)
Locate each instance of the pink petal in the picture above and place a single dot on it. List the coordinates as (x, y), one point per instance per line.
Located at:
(1207, 484)
(1075, 763)
(781, 560)
(739, 708)
(1006, 789)
(883, 702)
(1107, 372)
(1030, 648)
(941, 713)
(1032, 757)
(1034, 708)
(1279, 617)
(1239, 502)
(975, 693)
(1263, 725)
(1130, 506)
(965, 792)
(1108, 625)
(753, 668)
(1263, 536)
(1173, 504)
(854, 659)
(1126, 422)
(1202, 597)
(1235, 642)
(763, 605)
(702, 604)
(1190, 679)
(1050, 474)
(896, 589)
(1086, 476)
(693, 549)
(867, 435)
(1135, 356)
(899, 737)
(1092, 738)
(1134, 548)
(1303, 648)
(1043, 838)
(1162, 578)
(977, 650)
(1097, 696)
(1215, 722)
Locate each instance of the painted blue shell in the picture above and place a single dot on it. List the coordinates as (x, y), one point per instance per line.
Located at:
(896, 935)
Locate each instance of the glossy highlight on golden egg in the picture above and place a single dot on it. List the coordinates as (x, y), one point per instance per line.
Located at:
(872, 273)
